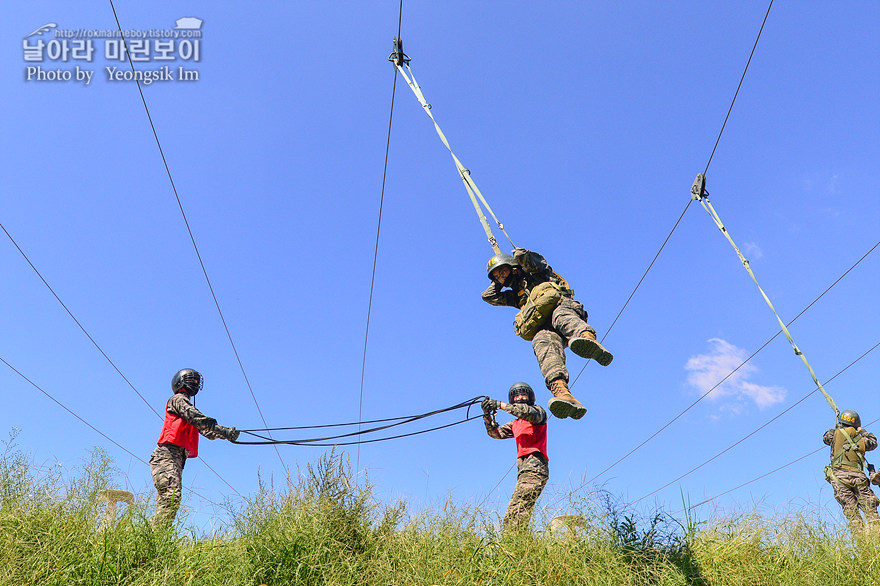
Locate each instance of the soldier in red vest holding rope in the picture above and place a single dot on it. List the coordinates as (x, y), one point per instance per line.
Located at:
(529, 430)
(178, 441)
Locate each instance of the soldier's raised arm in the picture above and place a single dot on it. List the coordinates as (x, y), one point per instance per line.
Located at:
(531, 413)
(870, 440)
(494, 295)
(531, 262)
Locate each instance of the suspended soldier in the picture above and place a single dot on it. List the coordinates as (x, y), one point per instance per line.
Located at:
(852, 490)
(529, 429)
(549, 317)
(178, 441)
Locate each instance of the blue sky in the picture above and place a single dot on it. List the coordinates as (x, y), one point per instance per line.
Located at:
(584, 125)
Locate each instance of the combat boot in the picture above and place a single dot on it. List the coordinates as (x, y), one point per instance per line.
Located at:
(563, 404)
(586, 346)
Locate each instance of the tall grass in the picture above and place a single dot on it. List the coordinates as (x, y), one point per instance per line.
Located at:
(322, 529)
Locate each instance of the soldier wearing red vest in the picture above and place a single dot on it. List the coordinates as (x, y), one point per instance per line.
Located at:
(178, 441)
(529, 430)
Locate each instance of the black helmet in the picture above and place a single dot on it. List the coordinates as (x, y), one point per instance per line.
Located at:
(849, 418)
(519, 389)
(189, 380)
(500, 260)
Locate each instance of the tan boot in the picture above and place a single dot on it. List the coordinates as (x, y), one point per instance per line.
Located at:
(563, 404)
(586, 346)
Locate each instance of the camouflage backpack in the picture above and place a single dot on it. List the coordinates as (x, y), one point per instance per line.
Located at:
(542, 300)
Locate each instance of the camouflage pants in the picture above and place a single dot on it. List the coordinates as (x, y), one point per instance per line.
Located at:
(166, 467)
(568, 320)
(530, 481)
(853, 491)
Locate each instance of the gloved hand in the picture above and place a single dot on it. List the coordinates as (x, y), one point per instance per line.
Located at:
(229, 433)
(490, 405)
(211, 434)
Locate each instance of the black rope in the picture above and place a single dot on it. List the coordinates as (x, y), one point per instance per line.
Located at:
(326, 425)
(399, 421)
(357, 442)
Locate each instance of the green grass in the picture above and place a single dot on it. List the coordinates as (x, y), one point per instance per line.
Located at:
(325, 530)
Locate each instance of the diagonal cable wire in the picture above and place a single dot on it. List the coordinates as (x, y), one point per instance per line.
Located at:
(67, 309)
(733, 445)
(497, 484)
(729, 110)
(743, 363)
(775, 470)
(736, 93)
(104, 354)
(189, 230)
(376, 251)
(639, 284)
(98, 431)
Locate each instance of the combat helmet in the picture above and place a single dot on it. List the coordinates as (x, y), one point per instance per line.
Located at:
(189, 380)
(499, 260)
(519, 389)
(849, 418)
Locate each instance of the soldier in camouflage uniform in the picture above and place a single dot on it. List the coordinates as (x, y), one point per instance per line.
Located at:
(529, 429)
(178, 441)
(852, 490)
(513, 279)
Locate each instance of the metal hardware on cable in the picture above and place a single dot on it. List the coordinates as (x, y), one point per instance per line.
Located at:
(316, 441)
(698, 192)
(401, 60)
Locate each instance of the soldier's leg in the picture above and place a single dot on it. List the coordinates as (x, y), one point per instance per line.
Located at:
(550, 352)
(868, 503)
(848, 499)
(570, 320)
(529, 485)
(168, 479)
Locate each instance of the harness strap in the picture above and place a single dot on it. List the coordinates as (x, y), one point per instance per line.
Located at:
(471, 187)
(698, 191)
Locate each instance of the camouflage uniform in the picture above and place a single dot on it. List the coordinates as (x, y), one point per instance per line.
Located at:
(568, 320)
(851, 487)
(532, 469)
(167, 460)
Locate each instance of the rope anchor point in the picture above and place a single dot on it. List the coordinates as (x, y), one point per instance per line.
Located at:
(398, 57)
(698, 189)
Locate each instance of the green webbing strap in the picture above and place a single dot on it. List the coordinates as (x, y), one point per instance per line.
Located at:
(698, 191)
(469, 185)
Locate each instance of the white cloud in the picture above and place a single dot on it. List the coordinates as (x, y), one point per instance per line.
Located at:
(706, 370)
